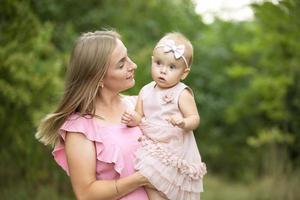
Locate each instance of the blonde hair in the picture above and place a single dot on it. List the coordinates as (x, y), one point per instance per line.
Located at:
(88, 64)
(180, 38)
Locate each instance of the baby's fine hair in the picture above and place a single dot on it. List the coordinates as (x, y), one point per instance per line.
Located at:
(179, 38)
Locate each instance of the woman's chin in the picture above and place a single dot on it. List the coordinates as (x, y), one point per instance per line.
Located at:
(133, 82)
(129, 84)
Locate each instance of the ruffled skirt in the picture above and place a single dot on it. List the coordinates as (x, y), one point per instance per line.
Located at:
(170, 159)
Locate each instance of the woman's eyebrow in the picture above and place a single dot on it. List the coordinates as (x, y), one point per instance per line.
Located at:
(122, 60)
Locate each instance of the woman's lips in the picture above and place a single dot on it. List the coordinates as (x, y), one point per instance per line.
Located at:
(130, 76)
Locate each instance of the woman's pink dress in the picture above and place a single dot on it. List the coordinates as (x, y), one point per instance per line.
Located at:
(169, 156)
(115, 147)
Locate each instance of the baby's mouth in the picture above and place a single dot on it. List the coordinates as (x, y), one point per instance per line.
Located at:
(161, 79)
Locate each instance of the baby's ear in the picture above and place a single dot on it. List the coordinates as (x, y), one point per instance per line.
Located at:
(185, 73)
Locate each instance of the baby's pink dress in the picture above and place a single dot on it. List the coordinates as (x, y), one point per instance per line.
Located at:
(115, 146)
(169, 156)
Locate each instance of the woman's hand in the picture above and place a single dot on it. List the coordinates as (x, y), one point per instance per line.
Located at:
(150, 186)
(145, 181)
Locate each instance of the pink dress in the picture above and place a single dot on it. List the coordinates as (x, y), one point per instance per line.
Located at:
(169, 156)
(115, 146)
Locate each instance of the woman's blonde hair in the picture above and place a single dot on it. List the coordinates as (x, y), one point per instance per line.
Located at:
(88, 64)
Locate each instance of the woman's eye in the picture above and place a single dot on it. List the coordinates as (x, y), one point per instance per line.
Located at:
(121, 65)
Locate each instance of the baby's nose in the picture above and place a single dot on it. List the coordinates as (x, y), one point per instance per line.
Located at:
(163, 70)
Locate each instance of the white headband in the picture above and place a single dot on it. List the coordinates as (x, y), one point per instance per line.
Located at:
(170, 46)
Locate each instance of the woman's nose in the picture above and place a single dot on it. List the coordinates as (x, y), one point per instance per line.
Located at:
(132, 65)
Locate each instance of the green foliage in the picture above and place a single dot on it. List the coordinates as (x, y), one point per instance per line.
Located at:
(266, 99)
(29, 73)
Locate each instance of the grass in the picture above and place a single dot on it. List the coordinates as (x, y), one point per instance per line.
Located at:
(215, 188)
(25, 191)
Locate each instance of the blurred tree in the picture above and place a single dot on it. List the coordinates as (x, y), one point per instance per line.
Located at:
(247, 84)
(271, 98)
(29, 84)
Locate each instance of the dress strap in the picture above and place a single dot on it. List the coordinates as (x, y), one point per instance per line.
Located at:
(177, 90)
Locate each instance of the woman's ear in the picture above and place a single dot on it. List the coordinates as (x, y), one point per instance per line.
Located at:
(101, 84)
(185, 73)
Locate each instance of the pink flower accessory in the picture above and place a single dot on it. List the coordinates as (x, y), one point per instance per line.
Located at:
(168, 98)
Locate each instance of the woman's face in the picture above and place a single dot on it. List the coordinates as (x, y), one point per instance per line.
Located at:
(120, 73)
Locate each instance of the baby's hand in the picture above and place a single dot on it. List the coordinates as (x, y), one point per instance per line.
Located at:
(128, 118)
(177, 120)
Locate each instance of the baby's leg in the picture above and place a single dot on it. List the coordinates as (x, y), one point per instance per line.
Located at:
(154, 194)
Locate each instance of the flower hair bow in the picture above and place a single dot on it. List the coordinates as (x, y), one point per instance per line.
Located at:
(170, 46)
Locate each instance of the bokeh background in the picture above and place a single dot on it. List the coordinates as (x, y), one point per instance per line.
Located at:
(245, 76)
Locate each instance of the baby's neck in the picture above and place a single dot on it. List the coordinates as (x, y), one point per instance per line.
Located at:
(164, 88)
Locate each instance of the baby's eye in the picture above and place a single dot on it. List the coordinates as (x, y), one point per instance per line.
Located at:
(158, 62)
(172, 67)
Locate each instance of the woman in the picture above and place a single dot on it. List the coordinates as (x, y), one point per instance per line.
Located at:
(91, 144)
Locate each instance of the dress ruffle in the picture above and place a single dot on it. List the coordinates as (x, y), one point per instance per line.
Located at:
(105, 151)
(165, 167)
(156, 150)
(171, 182)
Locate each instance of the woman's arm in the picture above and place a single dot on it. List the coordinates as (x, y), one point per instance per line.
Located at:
(81, 156)
(190, 118)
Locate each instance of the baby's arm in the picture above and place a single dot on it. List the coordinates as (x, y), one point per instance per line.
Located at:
(188, 108)
(133, 118)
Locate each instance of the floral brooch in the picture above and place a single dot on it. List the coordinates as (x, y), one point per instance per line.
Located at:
(168, 98)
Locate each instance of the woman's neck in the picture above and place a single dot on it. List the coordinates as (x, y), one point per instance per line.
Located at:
(108, 99)
(109, 107)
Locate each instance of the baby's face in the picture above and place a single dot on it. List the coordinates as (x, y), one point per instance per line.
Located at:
(166, 70)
